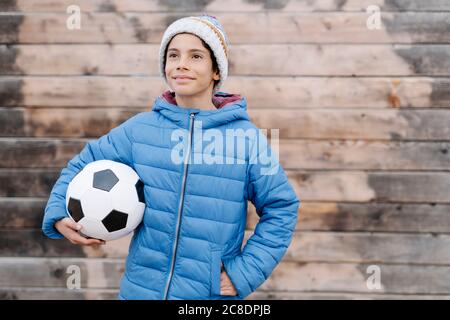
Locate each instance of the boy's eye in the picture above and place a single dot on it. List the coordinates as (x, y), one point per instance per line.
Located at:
(174, 55)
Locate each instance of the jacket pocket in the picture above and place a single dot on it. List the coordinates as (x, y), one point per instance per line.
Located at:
(216, 264)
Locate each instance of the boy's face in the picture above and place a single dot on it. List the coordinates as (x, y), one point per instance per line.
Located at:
(186, 56)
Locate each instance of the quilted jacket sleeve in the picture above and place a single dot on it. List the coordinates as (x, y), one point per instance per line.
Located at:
(277, 205)
(115, 146)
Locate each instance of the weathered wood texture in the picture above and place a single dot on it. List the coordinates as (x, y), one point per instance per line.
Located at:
(307, 246)
(285, 59)
(102, 273)
(281, 92)
(26, 213)
(363, 116)
(217, 5)
(293, 154)
(278, 27)
(353, 124)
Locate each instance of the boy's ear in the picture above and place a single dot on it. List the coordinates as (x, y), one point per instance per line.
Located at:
(216, 75)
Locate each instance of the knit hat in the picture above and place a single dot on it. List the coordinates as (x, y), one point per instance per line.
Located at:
(209, 29)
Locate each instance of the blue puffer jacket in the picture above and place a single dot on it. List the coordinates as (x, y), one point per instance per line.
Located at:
(196, 212)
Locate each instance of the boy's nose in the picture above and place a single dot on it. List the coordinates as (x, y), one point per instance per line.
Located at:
(182, 63)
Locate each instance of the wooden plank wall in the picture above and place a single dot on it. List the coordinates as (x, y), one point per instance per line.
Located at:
(363, 117)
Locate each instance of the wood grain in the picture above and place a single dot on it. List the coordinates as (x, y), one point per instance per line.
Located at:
(214, 6)
(280, 92)
(245, 59)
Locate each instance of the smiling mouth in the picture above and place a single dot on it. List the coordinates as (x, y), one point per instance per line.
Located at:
(182, 79)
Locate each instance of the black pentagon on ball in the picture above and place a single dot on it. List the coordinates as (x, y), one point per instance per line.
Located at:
(105, 180)
(140, 191)
(75, 209)
(115, 220)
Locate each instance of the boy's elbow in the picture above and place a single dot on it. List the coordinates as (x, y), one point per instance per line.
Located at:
(293, 205)
(50, 231)
(293, 209)
(52, 215)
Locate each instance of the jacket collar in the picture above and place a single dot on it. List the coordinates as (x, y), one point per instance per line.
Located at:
(229, 107)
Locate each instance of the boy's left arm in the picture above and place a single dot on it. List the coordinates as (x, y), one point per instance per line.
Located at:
(277, 205)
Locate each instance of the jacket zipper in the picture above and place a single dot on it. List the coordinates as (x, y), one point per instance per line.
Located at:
(180, 206)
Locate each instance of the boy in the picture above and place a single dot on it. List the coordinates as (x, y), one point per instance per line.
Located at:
(188, 245)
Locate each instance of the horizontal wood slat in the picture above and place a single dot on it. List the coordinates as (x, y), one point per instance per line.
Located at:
(367, 217)
(288, 276)
(356, 124)
(35, 153)
(49, 293)
(19, 213)
(279, 92)
(245, 60)
(413, 187)
(369, 124)
(395, 279)
(293, 154)
(55, 293)
(277, 27)
(306, 246)
(336, 186)
(220, 6)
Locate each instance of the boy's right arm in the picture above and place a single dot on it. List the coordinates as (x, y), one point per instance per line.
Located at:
(115, 146)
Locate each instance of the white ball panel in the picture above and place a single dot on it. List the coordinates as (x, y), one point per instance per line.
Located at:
(124, 197)
(96, 203)
(79, 184)
(136, 217)
(117, 234)
(93, 228)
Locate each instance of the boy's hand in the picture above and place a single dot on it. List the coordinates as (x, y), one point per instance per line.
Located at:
(69, 229)
(226, 286)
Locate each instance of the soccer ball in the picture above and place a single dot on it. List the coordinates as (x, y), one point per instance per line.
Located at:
(107, 199)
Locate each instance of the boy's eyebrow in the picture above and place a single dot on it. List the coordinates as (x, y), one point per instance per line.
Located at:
(191, 50)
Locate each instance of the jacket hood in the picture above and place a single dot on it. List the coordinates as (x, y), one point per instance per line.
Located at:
(229, 107)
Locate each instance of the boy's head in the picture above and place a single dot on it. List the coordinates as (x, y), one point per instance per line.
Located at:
(196, 47)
